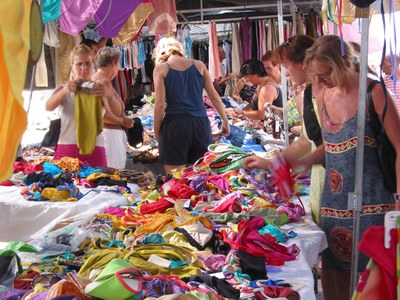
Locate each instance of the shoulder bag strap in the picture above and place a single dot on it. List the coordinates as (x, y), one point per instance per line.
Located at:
(374, 119)
(311, 123)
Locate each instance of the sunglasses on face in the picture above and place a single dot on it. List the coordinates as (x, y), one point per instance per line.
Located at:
(321, 75)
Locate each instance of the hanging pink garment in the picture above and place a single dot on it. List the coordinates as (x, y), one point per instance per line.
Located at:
(236, 53)
(163, 20)
(112, 15)
(213, 56)
(76, 14)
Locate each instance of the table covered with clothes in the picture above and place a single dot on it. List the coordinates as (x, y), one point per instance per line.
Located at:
(42, 196)
(211, 231)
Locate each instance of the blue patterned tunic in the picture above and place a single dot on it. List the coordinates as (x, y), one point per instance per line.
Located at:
(340, 141)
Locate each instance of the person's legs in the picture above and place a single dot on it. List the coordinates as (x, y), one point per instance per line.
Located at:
(335, 284)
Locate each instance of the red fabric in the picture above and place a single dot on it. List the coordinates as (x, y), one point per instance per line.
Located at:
(251, 241)
(283, 180)
(20, 166)
(372, 244)
(276, 292)
(160, 206)
(181, 191)
(229, 205)
(6, 183)
(118, 211)
(25, 283)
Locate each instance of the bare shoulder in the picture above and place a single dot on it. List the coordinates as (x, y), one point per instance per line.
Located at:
(199, 65)
(161, 69)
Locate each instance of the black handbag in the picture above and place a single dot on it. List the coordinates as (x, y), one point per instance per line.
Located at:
(50, 139)
(386, 152)
(135, 134)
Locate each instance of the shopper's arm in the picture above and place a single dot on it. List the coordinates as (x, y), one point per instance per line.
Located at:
(160, 97)
(215, 98)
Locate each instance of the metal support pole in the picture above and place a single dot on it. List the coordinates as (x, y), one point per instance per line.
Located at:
(201, 12)
(283, 75)
(355, 200)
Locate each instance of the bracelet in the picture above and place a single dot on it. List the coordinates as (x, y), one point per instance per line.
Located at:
(396, 197)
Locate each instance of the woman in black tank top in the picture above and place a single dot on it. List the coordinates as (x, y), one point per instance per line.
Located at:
(267, 91)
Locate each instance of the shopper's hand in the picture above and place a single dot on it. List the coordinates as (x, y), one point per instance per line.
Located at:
(225, 128)
(99, 89)
(128, 122)
(300, 169)
(256, 162)
(296, 130)
(71, 85)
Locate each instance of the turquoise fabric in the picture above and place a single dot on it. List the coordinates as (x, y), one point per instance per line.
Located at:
(50, 10)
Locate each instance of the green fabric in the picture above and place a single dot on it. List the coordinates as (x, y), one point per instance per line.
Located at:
(89, 121)
(109, 285)
(16, 246)
(293, 113)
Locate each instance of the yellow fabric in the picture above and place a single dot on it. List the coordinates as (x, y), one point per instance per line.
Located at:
(349, 11)
(65, 163)
(140, 255)
(134, 24)
(177, 238)
(55, 195)
(316, 181)
(99, 260)
(89, 121)
(14, 48)
(97, 175)
(39, 288)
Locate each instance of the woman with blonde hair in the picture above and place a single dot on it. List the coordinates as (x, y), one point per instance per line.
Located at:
(80, 137)
(181, 125)
(339, 101)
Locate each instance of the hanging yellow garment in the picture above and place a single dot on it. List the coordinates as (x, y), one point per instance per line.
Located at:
(89, 121)
(134, 24)
(349, 11)
(14, 48)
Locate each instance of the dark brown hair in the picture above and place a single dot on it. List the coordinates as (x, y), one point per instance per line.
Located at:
(294, 49)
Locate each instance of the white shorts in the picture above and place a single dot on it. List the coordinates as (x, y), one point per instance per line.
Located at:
(116, 143)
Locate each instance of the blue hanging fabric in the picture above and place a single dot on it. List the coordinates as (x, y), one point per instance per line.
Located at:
(50, 10)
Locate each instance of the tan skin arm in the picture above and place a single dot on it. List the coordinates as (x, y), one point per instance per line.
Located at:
(159, 74)
(62, 91)
(392, 125)
(236, 90)
(110, 96)
(102, 42)
(214, 97)
(58, 96)
(266, 95)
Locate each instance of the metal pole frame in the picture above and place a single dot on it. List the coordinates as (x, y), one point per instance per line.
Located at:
(355, 199)
(283, 74)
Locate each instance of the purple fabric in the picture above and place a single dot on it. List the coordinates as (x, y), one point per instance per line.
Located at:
(40, 296)
(76, 14)
(245, 38)
(11, 294)
(112, 15)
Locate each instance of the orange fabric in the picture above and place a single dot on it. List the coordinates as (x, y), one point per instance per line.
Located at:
(134, 24)
(14, 48)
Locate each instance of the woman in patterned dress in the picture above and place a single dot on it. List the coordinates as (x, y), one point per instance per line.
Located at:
(339, 102)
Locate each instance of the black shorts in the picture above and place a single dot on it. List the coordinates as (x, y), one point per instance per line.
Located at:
(183, 139)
